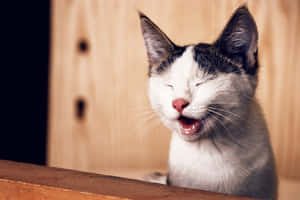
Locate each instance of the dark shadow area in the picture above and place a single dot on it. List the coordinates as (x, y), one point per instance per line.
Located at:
(24, 70)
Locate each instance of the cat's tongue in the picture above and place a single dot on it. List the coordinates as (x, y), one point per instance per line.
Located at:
(189, 126)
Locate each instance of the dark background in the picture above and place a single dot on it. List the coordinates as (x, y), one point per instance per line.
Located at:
(24, 70)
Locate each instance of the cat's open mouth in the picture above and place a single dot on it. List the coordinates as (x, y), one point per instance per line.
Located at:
(189, 126)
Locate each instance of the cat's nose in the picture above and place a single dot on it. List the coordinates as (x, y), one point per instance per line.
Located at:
(180, 104)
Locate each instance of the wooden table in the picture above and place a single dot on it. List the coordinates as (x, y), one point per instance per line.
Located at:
(32, 182)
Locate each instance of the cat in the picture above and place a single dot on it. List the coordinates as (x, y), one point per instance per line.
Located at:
(204, 93)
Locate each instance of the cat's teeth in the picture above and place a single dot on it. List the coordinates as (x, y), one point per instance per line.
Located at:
(190, 129)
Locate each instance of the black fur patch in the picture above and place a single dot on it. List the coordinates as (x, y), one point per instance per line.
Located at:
(209, 59)
(165, 64)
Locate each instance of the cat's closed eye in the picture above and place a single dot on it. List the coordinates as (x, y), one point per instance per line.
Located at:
(170, 86)
(198, 84)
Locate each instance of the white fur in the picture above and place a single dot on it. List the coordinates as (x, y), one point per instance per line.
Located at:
(201, 159)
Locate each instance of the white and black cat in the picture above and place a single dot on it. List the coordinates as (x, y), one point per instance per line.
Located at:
(204, 93)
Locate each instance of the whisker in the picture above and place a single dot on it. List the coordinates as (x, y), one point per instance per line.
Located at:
(220, 114)
(140, 108)
(144, 114)
(149, 117)
(209, 109)
(225, 103)
(150, 122)
(146, 117)
(234, 91)
(213, 137)
(229, 136)
(154, 123)
(226, 111)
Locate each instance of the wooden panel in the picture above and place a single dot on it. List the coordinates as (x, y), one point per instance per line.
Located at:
(118, 129)
(30, 182)
(25, 191)
(289, 189)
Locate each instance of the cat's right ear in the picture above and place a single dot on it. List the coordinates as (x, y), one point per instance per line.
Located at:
(158, 45)
(239, 38)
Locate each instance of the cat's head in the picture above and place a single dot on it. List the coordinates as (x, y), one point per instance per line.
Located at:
(196, 89)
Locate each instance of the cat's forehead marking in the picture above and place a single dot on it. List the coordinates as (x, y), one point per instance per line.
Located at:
(211, 60)
(197, 61)
(165, 64)
(185, 66)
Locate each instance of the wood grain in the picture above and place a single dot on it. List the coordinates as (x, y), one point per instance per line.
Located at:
(25, 191)
(119, 130)
(30, 182)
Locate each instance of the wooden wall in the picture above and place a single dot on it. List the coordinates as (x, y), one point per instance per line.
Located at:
(98, 63)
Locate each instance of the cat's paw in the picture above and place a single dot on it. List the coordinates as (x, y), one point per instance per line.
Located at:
(156, 177)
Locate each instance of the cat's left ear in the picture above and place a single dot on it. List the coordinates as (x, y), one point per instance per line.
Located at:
(158, 45)
(239, 38)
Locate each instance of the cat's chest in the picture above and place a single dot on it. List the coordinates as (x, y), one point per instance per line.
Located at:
(199, 166)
